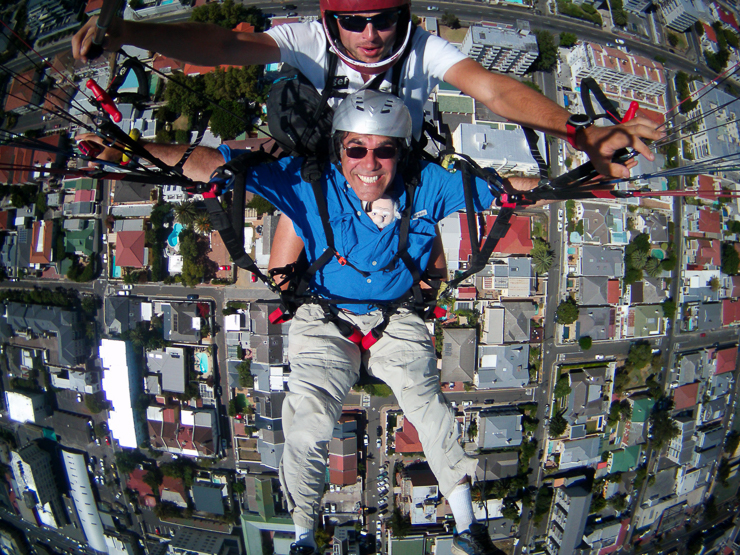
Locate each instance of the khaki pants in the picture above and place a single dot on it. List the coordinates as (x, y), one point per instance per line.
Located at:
(325, 365)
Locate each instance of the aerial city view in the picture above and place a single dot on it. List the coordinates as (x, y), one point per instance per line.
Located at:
(499, 356)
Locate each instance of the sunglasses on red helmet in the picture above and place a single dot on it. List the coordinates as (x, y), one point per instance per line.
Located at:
(357, 23)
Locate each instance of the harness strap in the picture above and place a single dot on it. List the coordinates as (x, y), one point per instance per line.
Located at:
(532, 140)
(204, 117)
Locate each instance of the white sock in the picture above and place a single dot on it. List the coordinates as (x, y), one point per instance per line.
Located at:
(462, 507)
(304, 536)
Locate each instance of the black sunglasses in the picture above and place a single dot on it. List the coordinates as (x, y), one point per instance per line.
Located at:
(357, 23)
(384, 152)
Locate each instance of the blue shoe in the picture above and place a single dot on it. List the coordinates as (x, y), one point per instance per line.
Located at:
(474, 541)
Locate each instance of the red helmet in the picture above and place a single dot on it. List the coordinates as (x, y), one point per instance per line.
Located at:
(364, 6)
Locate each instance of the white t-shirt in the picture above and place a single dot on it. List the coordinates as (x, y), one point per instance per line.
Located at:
(303, 46)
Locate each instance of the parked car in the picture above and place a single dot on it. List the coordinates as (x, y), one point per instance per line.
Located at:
(124, 293)
(224, 268)
(379, 431)
(107, 440)
(193, 297)
(378, 443)
(253, 278)
(289, 7)
(619, 41)
(599, 357)
(367, 440)
(292, 14)
(433, 8)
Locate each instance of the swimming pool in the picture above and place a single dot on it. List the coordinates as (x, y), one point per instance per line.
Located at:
(658, 253)
(116, 272)
(172, 239)
(203, 359)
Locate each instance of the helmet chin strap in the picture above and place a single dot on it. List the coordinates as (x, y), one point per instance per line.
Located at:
(366, 68)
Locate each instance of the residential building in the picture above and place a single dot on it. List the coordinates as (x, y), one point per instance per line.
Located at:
(505, 150)
(420, 493)
(717, 117)
(65, 327)
(208, 497)
(196, 541)
(602, 261)
(517, 320)
(645, 321)
(604, 224)
(598, 290)
(501, 47)
(498, 429)
(121, 314)
(75, 380)
(581, 452)
(343, 452)
(458, 354)
(407, 439)
(346, 541)
(586, 399)
(183, 431)
(122, 386)
(567, 519)
(598, 323)
(181, 322)
(266, 513)
(622, 75)
(26, 407)
(680, 15)
(269, 422)
(170, 364)
(681, 448)
(36, 485)
(502, 366)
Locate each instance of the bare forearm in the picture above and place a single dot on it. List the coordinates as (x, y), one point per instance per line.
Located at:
(198, 167)
(202, 43)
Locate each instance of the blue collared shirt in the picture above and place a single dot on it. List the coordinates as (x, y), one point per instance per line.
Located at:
(356, 237)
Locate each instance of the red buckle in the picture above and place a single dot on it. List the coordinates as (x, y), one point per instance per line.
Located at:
(439, 312)
(341, 259)
(278, 316)
(356, 337)
(370, 339)
(504, 202)
(91, 149)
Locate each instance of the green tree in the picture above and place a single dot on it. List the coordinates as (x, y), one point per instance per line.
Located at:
(619, 16)
(246, 379)
(510, 510)
(639, 259)
(732, 441)
(450, 20)
(127, 460)
(598, 504)
(567, 311)
(714, 284)
(202, 223)
(673, 39)
(640, 355)
(473, 430)
(730, 259)
(185, 213)
(400, 523)
(662, 428)
(699, 28)
(260, 205)
(228, 125)
(548, 52)
(618, 502)
(568, 39)
(239, 488)
(652, 267)
(585, 342)
(621, 380)
(153, 478)
(558, 425)
(228, 14)
(562, 387)
(668, 264)
(542, 256)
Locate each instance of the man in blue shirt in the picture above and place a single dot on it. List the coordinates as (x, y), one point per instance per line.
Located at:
(371, 134)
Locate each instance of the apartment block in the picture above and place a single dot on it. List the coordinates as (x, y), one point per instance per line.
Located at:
(679, 15)
(501, 47)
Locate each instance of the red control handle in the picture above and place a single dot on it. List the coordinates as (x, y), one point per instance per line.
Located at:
(631, 111)
(90, 149)
(105, 100)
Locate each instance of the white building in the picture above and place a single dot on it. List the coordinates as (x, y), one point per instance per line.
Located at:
(26, 407)
(679, 15)
(35, 485)
(719, 132)
(621, 75)
(84, 500)
(504, 150)
(120, 380)
(501, 47)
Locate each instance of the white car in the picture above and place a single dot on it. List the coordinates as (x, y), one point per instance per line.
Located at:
(123, 293)
(599, 357)
(560, 214)
(619, 41)
(378, 443)
(127, 287)
(367, 440)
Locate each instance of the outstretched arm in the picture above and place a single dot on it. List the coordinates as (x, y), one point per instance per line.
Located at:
(198, 167)
(516, 102)
(202, 44)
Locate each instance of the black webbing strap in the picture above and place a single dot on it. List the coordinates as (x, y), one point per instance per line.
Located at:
(204, 118)
(532, 139)
(222, 223)
(403, 238)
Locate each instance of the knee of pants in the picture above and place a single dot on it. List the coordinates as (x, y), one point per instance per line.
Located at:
(309, 419)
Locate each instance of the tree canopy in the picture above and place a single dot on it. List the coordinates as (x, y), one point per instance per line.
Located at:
(662, 427)
(228, 14)
(730, 259)
(562, 387)
(567, 311)
(568, 39)
(640, 355)
(548, 52)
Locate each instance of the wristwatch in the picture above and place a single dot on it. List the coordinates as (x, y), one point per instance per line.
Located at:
(574, 124)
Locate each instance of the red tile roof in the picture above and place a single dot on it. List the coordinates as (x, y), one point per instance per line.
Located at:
(710, 221)
(685, 396)
(85, 195)
(4, 221)
(343, 478)
(708, 187)
(518, 240)
(130, 248)
(735, 287)
(467, 293)
(161, 63)
(407, 439)
(709, 32)
(136, 482)
(730, 308)
(613, 291)
(726, 360)
(342, 464)
(727, 17)
(708, 252)
(41, 242)
(21, 91)
(620, 539)
(244, 27)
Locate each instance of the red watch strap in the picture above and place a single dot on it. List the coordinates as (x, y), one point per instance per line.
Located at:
(571, 135)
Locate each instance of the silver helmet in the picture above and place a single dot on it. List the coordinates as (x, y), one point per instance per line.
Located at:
(371, 112)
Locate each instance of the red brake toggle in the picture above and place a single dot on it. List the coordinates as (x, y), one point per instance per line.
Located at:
(370, 339)
(341, 259)
(278, 316)
(631, 111)
(504, 202)
(105, 100)
(439, 312)
(91, 149)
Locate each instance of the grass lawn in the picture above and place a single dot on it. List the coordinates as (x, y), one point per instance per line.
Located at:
(451, 35)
